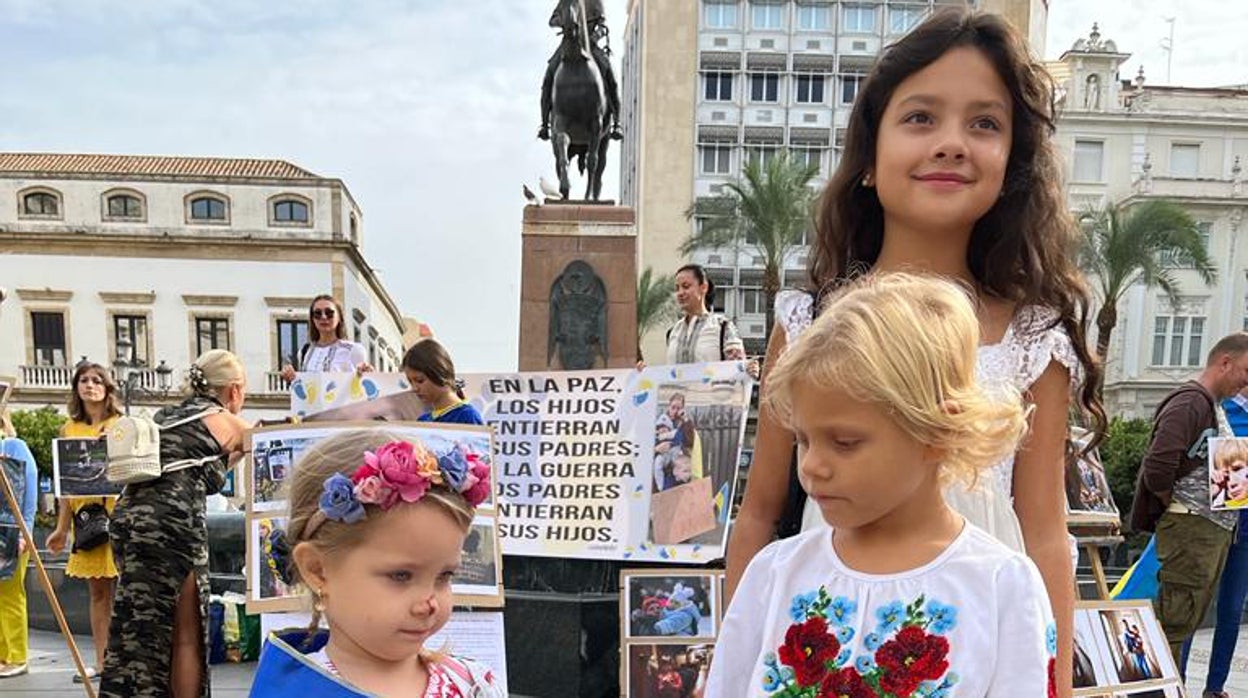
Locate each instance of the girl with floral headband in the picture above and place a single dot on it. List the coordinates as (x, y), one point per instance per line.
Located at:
(899, 595)
(376, 526)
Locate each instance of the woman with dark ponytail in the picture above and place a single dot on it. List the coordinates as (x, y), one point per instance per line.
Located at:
(700, 334)
(431, 372)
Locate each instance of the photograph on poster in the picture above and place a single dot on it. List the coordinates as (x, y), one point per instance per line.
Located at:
(1132, 648)
(1228, 473)
(697, 436)
(671, 605)
(1090, 671)
(10, 534)
(266, 579)
(1088, 495)
(78, 467)
(666, 671)
(480, 569)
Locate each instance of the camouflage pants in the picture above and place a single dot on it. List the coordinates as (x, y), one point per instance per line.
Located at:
(155, 549)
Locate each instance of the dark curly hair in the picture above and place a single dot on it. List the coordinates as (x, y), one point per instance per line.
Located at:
(1021, 250)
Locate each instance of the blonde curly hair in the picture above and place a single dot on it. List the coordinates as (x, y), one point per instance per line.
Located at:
(909, 344)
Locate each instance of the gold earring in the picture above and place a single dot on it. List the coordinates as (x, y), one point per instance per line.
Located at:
(318, 601)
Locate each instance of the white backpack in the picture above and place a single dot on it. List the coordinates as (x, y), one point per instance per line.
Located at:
(134, 449)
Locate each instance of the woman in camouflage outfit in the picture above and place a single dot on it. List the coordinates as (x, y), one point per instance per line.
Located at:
(159, 632)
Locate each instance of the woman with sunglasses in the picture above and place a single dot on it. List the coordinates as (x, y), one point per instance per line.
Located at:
(93, 407)
(328, 349)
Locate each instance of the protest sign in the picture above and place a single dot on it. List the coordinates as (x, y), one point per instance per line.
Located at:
(311, 393)
(616, 464)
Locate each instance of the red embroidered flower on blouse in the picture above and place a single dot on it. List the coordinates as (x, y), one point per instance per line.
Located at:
(1052, 678)
(808, 647)
(846, 683)
(910, 658)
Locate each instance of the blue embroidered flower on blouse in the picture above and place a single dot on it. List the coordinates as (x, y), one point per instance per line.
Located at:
(843, 656)
(865, 664)
(771, 680)
(842, 610)
(890, 616)
(873, 641)
(1050, 639)
(943, 618)
(844, 634)
(801, 606)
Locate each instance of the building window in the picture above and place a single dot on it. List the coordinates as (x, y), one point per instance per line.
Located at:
(765, 87)
(1185, 159)
(767, 15)
(858, 18)
(290, 211)
(716, 158)
(849, 87)
(814, 17)
(133, 329)
(752, 302)
(1089, 156)
(808, 157)
(210, 209)
(48, 333)
(211, 333)
(1177, 340)
(718, 87)
(1174, 260)
(903, 18)
(764, 155)
(810, 89)
(291, 336)
(720, 15)
(41, 204)
(124, 207)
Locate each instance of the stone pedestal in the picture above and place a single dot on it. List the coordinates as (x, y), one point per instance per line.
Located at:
(605, 238)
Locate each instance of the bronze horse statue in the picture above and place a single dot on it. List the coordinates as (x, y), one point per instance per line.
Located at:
(580, 118)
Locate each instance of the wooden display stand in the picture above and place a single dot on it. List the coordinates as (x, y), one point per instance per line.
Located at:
(16, 507)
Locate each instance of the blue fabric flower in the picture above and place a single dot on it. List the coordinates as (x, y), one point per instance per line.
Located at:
(1050, 639)
(771, 680)
(844, 634)
(454, 467)
(943, 618)
(890, 616)
(865, 664)
(338, 501)
(872, 641)
(801, 606)
(842, 610)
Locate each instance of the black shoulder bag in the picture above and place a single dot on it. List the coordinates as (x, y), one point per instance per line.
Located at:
(90, 527)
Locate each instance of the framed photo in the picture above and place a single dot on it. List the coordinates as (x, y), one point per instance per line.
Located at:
(79, 466)
(479, 581)
(672, 604)
(1089, 499)
(664, 670)
(264, 576)
(1228, 473)
(1127, 648)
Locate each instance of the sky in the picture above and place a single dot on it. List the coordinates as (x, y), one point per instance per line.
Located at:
(426, 109)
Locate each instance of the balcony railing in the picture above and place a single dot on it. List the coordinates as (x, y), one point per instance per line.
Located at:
(55, 377)
(275, 384)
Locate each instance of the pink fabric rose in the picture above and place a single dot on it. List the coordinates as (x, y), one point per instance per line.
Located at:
(400, 470)
(374, 490)
(477, 484)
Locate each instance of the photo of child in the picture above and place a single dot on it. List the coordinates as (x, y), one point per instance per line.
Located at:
(1129, 646)
(268, 560)
(676, 446)
(668, 671)
(1087, 488)
(671, 606)
(1228, 473)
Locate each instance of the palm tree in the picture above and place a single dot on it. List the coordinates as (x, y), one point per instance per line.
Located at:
(1144, 243)
(655, 304)
(768, 212)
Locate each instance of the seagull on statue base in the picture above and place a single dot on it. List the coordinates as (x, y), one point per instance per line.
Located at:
(530, 196)
(549, 189)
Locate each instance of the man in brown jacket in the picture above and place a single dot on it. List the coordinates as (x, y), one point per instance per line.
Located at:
(1172, 492)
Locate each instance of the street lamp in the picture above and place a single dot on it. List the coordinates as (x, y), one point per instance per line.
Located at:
(129, 378)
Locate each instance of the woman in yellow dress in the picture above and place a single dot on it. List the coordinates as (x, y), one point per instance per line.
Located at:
(93, 407)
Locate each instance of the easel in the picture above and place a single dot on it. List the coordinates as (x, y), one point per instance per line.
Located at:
(1092, 545)
(16, 507)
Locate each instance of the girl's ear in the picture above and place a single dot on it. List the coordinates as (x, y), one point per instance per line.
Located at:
(311, 564)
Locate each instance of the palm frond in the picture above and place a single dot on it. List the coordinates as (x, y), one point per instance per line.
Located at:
(655, 305)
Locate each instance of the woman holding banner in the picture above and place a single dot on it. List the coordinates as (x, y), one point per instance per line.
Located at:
(93, 407)
(19, 469)
(327, 349)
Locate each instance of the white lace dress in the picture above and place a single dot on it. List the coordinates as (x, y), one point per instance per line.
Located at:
(1015, 363)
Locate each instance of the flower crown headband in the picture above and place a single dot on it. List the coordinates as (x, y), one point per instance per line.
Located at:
(399, 471)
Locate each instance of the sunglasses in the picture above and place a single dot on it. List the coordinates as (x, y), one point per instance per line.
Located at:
(326, 313)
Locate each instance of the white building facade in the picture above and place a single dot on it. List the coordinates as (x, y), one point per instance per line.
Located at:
(174, 256)
(1129, 142)
(708, 84)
